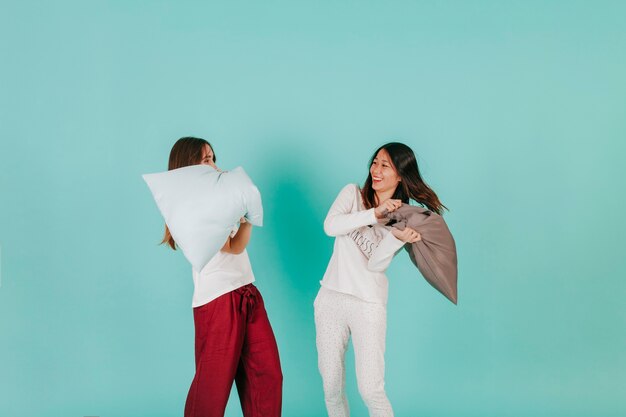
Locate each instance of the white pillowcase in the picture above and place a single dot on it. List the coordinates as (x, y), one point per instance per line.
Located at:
(201, 206)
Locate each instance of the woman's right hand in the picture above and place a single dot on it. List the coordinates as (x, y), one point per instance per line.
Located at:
(387, 206)
(407, 235)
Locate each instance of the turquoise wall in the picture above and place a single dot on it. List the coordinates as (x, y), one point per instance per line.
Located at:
(516, 110)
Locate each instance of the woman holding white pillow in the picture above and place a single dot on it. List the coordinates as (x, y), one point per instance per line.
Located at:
(234, 340)
(352, 300)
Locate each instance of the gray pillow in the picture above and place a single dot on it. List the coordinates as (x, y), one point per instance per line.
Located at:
(435, 254)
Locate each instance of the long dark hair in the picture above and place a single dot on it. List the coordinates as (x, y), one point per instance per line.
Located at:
(411, 186)
(185, 152)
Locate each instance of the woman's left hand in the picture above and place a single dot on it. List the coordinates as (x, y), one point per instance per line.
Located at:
(407, 235)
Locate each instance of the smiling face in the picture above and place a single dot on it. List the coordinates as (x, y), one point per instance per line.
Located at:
(207, 157)
(385, 178)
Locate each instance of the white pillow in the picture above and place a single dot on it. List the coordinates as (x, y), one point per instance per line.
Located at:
(201, 206)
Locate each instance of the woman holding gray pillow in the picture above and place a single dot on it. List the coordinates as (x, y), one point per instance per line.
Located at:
(353, 295)
(234, 340)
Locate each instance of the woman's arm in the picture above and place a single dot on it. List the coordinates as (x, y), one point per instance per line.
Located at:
(339, 220)
(384, 253)
(238, 243)
(389, 246)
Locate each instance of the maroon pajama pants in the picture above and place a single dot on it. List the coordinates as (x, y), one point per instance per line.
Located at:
(235, 342)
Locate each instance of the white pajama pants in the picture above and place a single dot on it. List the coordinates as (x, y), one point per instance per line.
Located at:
(337, 317)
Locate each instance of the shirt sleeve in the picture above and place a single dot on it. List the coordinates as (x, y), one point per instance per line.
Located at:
(340, 220)
(384, 253)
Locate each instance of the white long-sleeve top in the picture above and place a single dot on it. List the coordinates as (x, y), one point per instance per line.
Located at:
(363, 248)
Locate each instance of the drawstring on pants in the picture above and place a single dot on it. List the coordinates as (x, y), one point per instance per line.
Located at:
(248, 300)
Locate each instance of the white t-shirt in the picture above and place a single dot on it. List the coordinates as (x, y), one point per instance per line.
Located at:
(363, 248)
(224, 273)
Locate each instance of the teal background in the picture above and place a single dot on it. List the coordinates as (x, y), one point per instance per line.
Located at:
(516, 110)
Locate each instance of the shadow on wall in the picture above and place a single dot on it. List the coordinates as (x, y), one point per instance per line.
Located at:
(290, 261)
(294, 214)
